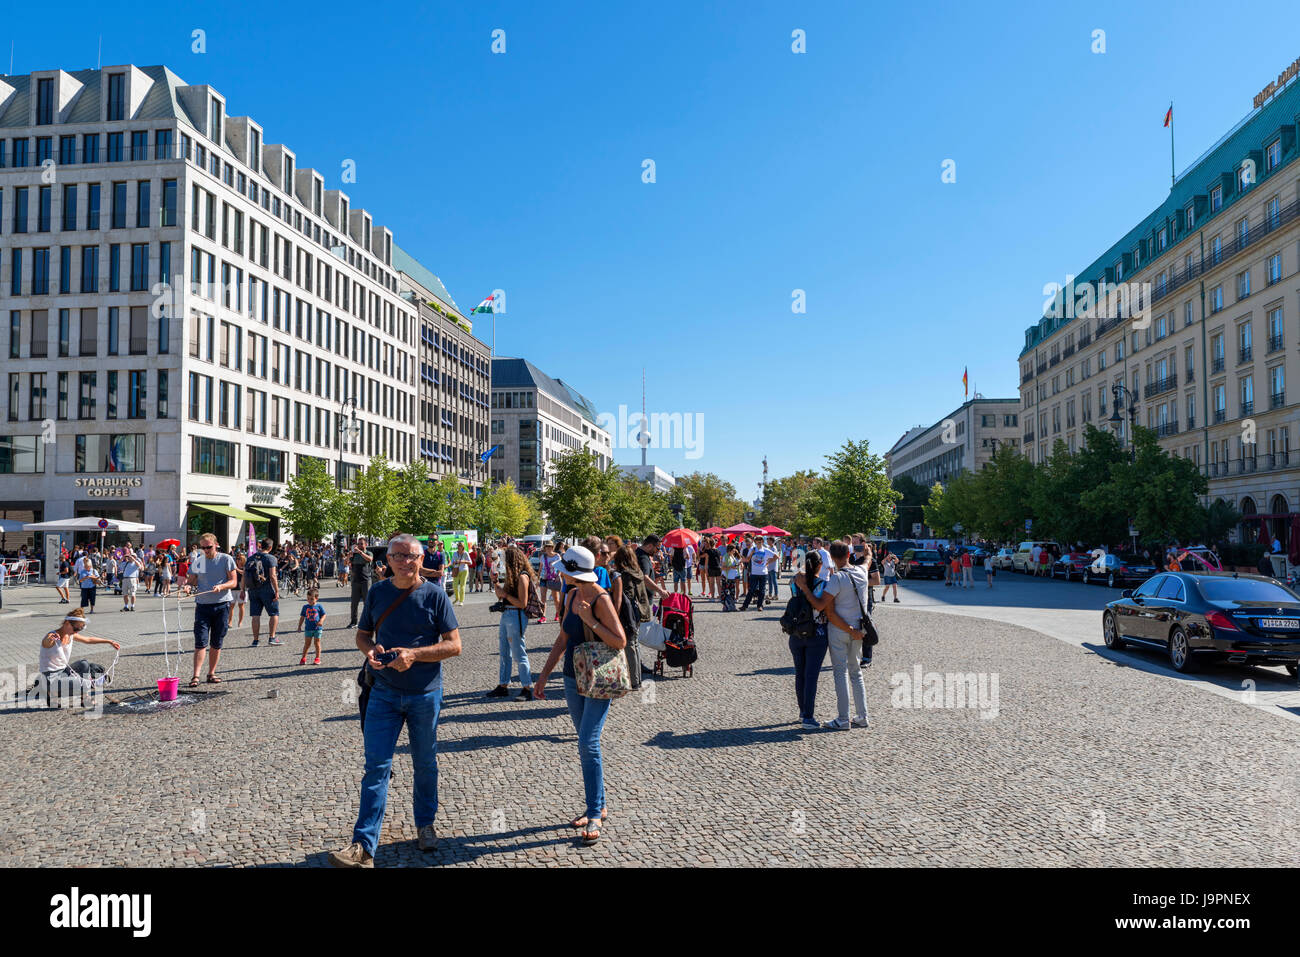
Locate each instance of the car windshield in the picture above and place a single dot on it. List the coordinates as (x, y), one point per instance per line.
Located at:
(1244, 589)
(925, 556)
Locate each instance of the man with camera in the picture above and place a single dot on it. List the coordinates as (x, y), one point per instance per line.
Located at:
(363, 572)
(407, 628)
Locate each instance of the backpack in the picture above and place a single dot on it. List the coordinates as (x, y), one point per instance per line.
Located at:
(799, 620)
(255, 571)
(534, 607)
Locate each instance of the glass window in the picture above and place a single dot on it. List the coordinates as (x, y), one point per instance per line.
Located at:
(21, 454)
(110, 453)
(92, 207)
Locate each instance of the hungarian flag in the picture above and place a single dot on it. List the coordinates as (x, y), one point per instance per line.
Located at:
(485, 306)
(1169, 117)
(964, 382)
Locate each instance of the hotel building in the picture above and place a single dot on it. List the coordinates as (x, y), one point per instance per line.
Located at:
(1204, 347)
(963, 440)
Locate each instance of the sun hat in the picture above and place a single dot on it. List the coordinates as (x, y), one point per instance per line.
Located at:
(579, 564)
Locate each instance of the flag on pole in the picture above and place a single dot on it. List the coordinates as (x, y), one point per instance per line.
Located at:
(965, 382)
(487, 305)
(1169, 116)
(252, 539)
(488, 454)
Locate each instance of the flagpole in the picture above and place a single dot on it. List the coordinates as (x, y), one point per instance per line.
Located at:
(1173, 179)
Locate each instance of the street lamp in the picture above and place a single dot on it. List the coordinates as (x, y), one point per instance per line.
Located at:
(1117, 390)
(349, 429)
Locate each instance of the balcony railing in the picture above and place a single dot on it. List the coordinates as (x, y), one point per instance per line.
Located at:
(1274, 343)
(1190, 375)
(1029, 437)
(1084, 340)
(1191, 422)
(1277, 400)
(1220, 415)
(1067, 352)
(1053, 361)
(1041, 369)
(1247, 407)
(1028, 374)
(1247, 464)
(1279, 460)
(1166, 428)
(1243, 354)
(1161, 386)
(1216, 365)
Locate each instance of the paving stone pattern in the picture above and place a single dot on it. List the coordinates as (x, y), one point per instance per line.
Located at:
(1087, 762)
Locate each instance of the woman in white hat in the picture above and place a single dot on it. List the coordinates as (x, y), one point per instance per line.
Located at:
(589, 615)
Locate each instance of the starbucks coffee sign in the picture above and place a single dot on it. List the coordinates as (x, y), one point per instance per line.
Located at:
(262, 494)
(114, 486)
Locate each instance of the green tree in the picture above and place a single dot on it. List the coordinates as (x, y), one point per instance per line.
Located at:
(1220, 519)
(421, 508)
(855, 495)
(713, 501)
(374, 508)
(788, 502)
(461, 509)
(509, 509)
(935, 512)
(315, 510)
(914, 496)
(1004, 489)
(579, 501)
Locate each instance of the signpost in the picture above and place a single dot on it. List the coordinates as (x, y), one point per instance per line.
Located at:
(1029, 524)
(916, 528)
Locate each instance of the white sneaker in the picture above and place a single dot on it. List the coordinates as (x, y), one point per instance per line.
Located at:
(859, 723)
(837, 725)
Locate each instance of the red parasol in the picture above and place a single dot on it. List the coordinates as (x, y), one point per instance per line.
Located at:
(168, 543)
(1263, 532)
(680, 538)
(711, 531)
(742, 528)
(773, 530)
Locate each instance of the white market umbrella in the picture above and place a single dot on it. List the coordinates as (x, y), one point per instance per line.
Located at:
(9, 525)
(88, 523)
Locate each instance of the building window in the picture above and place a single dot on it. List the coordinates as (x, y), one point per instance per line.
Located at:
(139, 145)
(114, 149)
(40, 272)
(212, 457)
(113, 329)
(116, 96)
(92, 207)
(23, 454)
(139, 267)
(85, 395)
(20, 210)
(162, 393)
(142, 204)
(69, 207)
(1216, 199)
(110, 453)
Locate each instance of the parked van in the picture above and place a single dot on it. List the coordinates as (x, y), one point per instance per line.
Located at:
(1025, 552)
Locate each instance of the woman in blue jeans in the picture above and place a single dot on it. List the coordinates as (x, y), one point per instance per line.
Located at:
(514, 622)
(588, 616)
(809, 653)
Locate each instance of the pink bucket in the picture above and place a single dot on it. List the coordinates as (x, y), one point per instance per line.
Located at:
(167, 688)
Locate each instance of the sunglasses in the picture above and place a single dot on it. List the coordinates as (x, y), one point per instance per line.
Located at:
(207, 548)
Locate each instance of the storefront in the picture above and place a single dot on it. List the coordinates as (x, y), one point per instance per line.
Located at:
(24, 513)
(223, 521)
(128, 511)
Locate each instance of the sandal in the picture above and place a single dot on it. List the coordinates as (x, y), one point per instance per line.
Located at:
(214, 680)
(194, 683)
(590, 835)
(580, 822)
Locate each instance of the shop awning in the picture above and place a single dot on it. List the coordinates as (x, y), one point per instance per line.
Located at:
(230, 511)
(271, 511)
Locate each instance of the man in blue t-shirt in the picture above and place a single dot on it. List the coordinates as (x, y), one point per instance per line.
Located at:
(420, 632)
(431, 566)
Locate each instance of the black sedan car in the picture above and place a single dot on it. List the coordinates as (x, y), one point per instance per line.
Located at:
(1240, 619)
(922, 562)
(1121, 569)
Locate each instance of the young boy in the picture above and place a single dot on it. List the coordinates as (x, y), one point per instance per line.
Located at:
(314, 615)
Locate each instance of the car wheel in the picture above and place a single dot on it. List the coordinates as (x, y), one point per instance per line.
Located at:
(1110, 632)
(1294, 670)
(1066, 574)
(1110, 580)
(1180, 653)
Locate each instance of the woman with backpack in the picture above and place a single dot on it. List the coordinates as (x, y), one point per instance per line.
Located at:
(518, 591)
(589, 616)
(810, 642)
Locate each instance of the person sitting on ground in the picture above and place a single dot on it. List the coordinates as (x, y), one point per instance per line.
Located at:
(58, 680)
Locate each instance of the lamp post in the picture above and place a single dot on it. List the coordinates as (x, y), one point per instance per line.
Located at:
(1119, 390)
(349, 429)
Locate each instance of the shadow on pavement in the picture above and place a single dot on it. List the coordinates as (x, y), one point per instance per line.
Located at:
(453, 849)
(728, 737)
(1224, 675)
(477, 717)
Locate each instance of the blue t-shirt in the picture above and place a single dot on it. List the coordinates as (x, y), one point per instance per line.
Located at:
(313, 615)
(421, 621)
(433, 561)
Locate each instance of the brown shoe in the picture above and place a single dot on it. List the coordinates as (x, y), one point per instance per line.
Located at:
(354, 855)
(428, 839)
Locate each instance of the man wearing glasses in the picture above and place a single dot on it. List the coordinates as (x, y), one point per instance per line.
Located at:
(214, 579)
(407, 628)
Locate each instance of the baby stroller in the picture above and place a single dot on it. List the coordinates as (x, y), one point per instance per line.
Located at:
(678, 618)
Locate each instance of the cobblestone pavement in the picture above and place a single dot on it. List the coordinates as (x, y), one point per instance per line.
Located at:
(1087, 761)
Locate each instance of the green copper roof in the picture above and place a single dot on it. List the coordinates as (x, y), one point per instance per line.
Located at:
(405, 262)
(1217, 167)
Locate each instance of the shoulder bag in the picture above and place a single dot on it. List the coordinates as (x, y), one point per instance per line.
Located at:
(869, 634)
(599, 670)
(367, 677)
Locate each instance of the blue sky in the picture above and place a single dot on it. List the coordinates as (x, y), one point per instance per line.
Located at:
(775, 171)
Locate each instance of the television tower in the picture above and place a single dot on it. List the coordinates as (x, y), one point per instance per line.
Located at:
(643, 439)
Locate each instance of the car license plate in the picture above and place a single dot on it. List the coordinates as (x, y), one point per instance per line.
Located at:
(1281, 624)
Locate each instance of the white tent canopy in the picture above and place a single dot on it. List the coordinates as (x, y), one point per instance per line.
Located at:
(9, 525)
(88, 523)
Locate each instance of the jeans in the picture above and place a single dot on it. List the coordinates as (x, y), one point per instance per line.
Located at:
(386, 709)
(589, 716)
(510, 641)
(360, 589)
(845, 660)
(772, 583)
(808, 654)
(756, 583)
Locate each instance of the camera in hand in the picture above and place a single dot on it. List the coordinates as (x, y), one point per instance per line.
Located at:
(386, 657)
(499, 606)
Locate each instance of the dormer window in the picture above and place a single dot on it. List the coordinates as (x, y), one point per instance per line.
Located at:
(1216, 199)
(116, 96)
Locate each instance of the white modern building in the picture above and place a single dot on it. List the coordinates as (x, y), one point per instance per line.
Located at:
(536, 419)
(283, 334)
(652, 475)
(965, 439)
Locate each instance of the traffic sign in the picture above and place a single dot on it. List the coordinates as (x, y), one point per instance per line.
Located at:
(916, 528)
(1029, 524)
